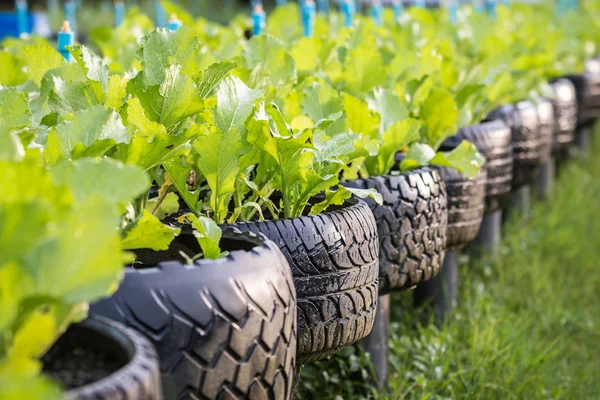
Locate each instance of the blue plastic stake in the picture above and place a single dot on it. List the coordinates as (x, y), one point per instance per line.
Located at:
(174, 23)
(259, 20)
(71, 15)
(309, 13)
(377, 12)
(398, 9)
(66, 37)
(491, 6)
(281, 2)
(420, 3)
(161, 16)
(453, 11)
(119, 12)
(22, 14)
(323, 6)
(348, 9)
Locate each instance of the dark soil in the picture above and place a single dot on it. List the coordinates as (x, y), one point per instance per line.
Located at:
(74, 363)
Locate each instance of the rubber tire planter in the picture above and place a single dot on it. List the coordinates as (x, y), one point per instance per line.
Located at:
(522, 119)
(412, 225)
(466, 204)
(565, 113)
(587, 87)
(493, 140)
(222, 327)
(334, 260)
(138, 379)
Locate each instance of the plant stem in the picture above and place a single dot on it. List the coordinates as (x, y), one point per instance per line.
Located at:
(140, 203)
(237, 195)
(161, 197)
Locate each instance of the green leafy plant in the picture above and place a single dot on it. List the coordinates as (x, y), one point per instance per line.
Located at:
(60, 250)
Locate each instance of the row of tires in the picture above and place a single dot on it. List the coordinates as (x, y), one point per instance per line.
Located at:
(293, 291)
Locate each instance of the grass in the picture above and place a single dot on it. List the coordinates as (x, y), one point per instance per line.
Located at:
(527, 324)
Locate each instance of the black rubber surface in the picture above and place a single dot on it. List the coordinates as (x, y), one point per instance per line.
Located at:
(412, 225)
(493, 140)
(587, 87)
(565, 113)
(223, 328)
(466, 204)
(334, 260)
(139, 379)
(522, 120)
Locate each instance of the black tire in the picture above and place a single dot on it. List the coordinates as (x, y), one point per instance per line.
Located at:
(565, 113)
(138, 379)
(545, 112)
(412, 225)
(522, 119)
(493, 140)
(587, 87)
(223, 328)
(466, 204)
(334, 260)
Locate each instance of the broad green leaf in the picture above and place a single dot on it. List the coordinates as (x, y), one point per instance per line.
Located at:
(235, 103)
(15, 285)
(314, 185)
(91, 132)
(212, 77)
(320, 101)
(173, 101)
(11, 73)
(273, 66)
(58, 252)
(14, 108)
(39, 59)
(149, 233)
(208, 234)
(109, 179)
(339, 196)
(30, 342)
(399, 135)
(161, 48)
(278, 22)
(81, 260)
(336, 149)
(94, 67)
(418, 155)
(464, 158)
(151, 144)
(11, 147)
(69, 97)
(219, 152)
(439, 114)
(169, 206)
(317, 56)
(366, 193)
(363, 70)
(389, 107)
(361, 119)
(16, 386)
(116, 92)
